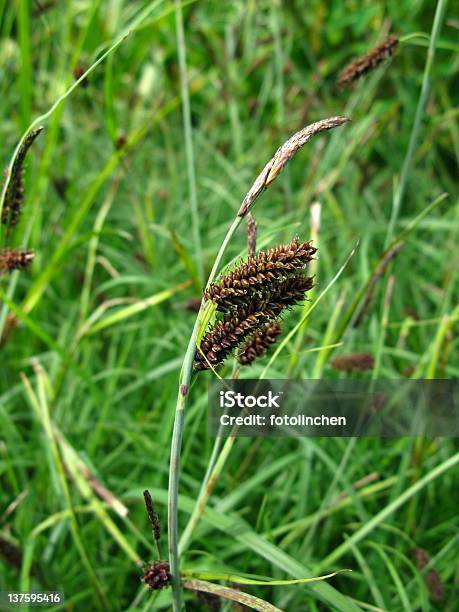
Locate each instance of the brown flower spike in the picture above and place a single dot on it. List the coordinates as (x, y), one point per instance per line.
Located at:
(258, 344)
(361, 65)
(15, 259)
(260, 271)
(152, 515)
(14, 197)
(236, 326)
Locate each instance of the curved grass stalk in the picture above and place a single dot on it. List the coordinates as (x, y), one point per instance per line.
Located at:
(416, 129)
(267, 176)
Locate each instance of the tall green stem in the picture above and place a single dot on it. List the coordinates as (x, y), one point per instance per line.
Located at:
(414, 137)
(174, 467)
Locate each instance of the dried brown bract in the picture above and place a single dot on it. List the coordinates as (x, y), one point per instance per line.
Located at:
(157, 575)
(357, 361)
(361, 65)
(15, 259)
(283, 155)
(14, 196)
(260, 271)
(259, 343)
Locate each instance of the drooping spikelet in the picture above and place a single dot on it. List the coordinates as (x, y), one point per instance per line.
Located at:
(258, 344)
(235, 327)
(15, 259)
(356, 361)
(361, 65)
(14, 197)
(262, 270)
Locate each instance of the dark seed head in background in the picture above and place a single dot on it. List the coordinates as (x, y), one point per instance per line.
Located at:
(15, 259)
(14, 197)
(356, 361)
(371, 60)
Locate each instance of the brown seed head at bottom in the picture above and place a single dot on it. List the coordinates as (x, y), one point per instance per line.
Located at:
(157, 575)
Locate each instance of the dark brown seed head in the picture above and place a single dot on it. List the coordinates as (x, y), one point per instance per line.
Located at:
(357, 361)
(15, 259)
(228, 333)
(236, 326)
(152, 515)
(259, 343)
(14, 197)
(361, 65)
(157, 575)
(268, 268)
(287, 293)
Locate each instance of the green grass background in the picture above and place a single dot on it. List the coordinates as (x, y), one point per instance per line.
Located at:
(128, 199)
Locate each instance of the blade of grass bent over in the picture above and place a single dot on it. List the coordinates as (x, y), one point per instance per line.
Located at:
(255, 603)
